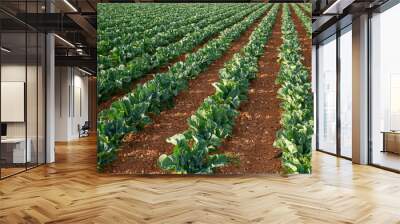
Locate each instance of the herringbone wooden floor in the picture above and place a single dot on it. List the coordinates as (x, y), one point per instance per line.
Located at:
(70, 191)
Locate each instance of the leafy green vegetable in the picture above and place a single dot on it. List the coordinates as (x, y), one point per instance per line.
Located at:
(294, 139)
(195, 150)
(148, 41)
(131, 113)
(131, 60)
(306, 6)
(305, 19)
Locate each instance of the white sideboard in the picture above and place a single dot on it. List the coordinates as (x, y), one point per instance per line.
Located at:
(19, 153)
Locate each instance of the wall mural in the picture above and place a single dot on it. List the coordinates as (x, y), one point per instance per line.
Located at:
(204, 88)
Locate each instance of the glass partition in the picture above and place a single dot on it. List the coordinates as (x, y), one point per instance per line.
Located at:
(327, 95)
(22, 101)
(346, 92)
(32, 98)
(13, 95)
(41, 109)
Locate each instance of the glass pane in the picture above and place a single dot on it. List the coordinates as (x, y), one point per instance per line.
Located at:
(13, 86)
(385, 89)
(346, 92)
(23, 85)
(314, 88)
(32, 97)
(327, 96)
(41, 99)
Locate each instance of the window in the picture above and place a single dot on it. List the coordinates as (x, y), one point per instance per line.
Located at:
(385, 89)
(327, 95)
(346, 92)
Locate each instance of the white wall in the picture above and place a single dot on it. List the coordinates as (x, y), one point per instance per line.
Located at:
(62, 82)
(12, 73)
(71, 102)
(34, 125)
(80, 110)
(16, 73)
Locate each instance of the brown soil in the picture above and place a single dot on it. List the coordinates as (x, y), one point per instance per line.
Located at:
(305, 41)
(258, 122)
(140, 152)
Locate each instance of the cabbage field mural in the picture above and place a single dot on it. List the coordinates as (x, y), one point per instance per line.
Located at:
(204, 88)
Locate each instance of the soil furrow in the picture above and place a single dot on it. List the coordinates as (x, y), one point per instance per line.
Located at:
(139, 152)
(255, 128)
(305, 41)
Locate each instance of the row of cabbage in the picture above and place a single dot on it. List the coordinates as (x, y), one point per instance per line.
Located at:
(196, 149)
(294, 139)
(306, 6)
(115, 14)
(137, 18)
(119, 79)
(132, 43)
(131, 113)
(305, 19)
